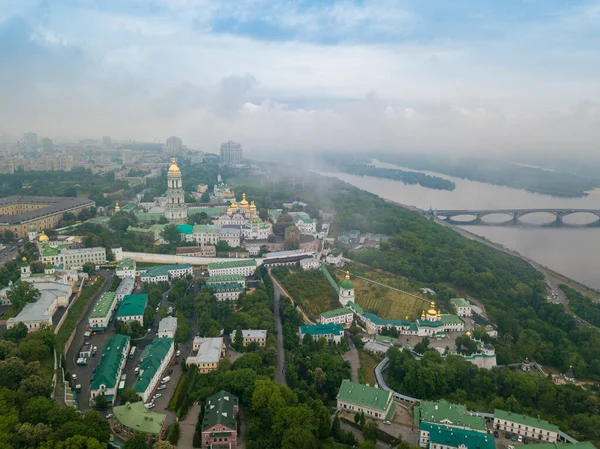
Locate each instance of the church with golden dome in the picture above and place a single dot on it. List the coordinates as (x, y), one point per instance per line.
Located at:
(175, 207)
(244, 216)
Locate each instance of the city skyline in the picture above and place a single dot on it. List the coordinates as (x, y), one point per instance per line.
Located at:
(312, 75)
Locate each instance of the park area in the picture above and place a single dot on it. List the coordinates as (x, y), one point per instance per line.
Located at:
(382, 300)
(309, 289)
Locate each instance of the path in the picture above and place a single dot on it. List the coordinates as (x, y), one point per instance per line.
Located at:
(280, 359)
(353, 358)
(187, 427)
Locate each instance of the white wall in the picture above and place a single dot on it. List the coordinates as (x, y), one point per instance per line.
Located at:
(172, 259)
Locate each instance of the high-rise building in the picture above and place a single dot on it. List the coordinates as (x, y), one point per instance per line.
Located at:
(174, 145)
(30, 140)
(106, 142)
(47, 146)
(231, 153)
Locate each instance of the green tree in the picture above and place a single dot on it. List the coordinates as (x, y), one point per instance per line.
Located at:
(173, 433)
(205, 198)
(222, 246)
(238, 344)
(162, 445)
(35, 386)
(129, 395)
(465, 345)
(8, 349)
(89, 267)
(171, 234)
(21, 293)
(101, 402)
(370, 430)
(8, 235)
(137, 441)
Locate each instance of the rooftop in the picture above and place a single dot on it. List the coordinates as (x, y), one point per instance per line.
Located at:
(322, 329)
(460, 302)
(103, 305)
(133, 305)
(110, 362)
(125, 286)
(524, 419)
(444, 412)
(126, 264)
(453, 437)
(49, 205)
(238, 263)
(219, 409)
(336, 312)
(139, 419)
(201, 228)
(383, 322)
(224, 287)
(167, 324)
(363, 395)
(37, 311)
(209, 351)
(252, 333)
(185, 228)
(164, 270)
(152, 357)
(95, 249)
(226, 278)
(293, 252)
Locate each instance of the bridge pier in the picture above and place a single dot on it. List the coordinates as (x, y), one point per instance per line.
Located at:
(515, 218)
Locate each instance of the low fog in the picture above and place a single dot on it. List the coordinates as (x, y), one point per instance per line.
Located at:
(336, 76)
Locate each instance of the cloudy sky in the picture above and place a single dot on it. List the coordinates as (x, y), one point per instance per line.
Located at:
(422, 75)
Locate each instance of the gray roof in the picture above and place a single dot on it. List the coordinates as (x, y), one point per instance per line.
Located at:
(252, 333)
(36, 311)
(54, 204)
(167, 324)
(126, 285)
(209, 352)
(95, 249)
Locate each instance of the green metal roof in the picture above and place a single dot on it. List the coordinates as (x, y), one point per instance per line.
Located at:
(219, 410)
(133, 305)
(383, 322)
(444, 412)
(365, 396)
(524, 419)
(348, 285)
(152, 357)
(201, 228)
(584, 445)
(112, 357)
(427, 323)
(453, 437)
(103, 305)
(336, 312)
(47, 250)
(224, 287)
(356, 307)
(126, 264)
(137, 418)
(139, 230)
(322, 329)
(460, 302)
(163, 270)
(185, 228)
(145, 217)
(451, 319)
(225, 278)
(212, 212)
(232, 264)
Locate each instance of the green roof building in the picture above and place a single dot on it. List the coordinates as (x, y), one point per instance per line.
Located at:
(526, 426)
(133, 418)
(243, 267)
(126, 268)
(446, 413)
(155, 360)
(331, 332)
(225, 278)
(185, 228)
(110, 368)
(226, 290)
(102, 312)
(373, 402)
(132, 308)
(205, 228)
(219, 425)
(164, 273)
(436, 435)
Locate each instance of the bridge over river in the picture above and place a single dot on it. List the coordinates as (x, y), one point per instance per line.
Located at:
(513, 217)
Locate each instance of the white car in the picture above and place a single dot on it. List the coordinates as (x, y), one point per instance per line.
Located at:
(110, 415)
(149, 405)
(520, 439)
(178, 353)
(162, 387)
(156, 396)
(74, 376)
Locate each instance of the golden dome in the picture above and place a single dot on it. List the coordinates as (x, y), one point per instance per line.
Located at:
(174, 168)
(347, 277)
(243, 203)
(24, 259)
(423, 314)
(468, 334)
(117, 208)
(43, 237)
(439, 314)
(432, 311)
(252, 205)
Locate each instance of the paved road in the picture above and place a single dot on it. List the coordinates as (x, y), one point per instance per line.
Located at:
(359, 437)
(187, 427)
(353, 358)
(280, 359)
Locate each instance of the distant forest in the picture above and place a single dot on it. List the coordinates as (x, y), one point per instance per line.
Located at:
(502, 173)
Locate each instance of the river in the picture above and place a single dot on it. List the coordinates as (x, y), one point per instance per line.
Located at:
(571, 251)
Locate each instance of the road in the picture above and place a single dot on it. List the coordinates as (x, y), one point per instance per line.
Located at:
(187, 428)
(280, 359)
(359, 437)
(85, 373)
(353, 358)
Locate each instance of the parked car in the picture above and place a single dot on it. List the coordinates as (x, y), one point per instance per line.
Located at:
(165, 380)
(149, 405)
(110, 415)
(162, 387)
(156, 396)
(513, 438)
(387, 423)
(137, 370)
(178, 353)
(520, 439)
(496, 434)
(74, 376)
(170, 372)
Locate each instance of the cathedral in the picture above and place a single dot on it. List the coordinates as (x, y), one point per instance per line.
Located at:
(175, 207)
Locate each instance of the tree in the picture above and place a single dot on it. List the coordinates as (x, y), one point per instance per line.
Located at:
(89, 267)
(101, 402)
(370, 430)
(8, 235)
(222, 246)
(163, 445)
(171, 234)
(291, 243)
(465, 345)
(173, 433)
(205, 198)
(163, 220)
(8, 349)
(129, 395)
(137, 442)
(35, 386)
(22, 293)
(238, 344)
(367, 445)
(16, 333)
